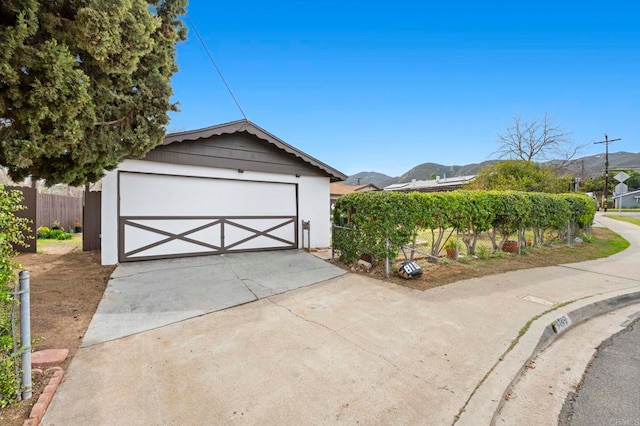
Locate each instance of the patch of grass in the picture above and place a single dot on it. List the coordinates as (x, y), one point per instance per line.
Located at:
(73, 240)
(624, 219)
(46, 246)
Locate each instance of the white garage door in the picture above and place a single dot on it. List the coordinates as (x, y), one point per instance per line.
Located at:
(162, 216)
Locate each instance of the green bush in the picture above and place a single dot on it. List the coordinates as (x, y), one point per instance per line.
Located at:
(9, 381)
(53, 234)
(375, 218)
(12, 231)
(58, 234)
(483, 252)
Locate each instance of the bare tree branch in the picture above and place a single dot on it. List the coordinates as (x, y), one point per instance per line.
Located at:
(536, 140)
(112, 122)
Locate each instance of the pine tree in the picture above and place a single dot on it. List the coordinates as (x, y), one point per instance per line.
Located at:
(84, 84)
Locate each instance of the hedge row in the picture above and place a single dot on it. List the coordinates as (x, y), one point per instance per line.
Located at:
(381, 222)
(12, 229)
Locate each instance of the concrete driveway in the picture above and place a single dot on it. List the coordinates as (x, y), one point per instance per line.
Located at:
(145, 295)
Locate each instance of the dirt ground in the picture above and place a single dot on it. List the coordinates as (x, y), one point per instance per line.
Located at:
(446, 271)
(66, 287)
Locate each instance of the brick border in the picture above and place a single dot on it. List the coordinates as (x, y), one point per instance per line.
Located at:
(38, 410)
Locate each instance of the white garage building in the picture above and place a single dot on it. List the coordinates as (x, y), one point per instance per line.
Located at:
(229, 188)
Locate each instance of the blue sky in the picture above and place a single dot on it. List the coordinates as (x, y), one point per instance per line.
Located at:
(386, 86)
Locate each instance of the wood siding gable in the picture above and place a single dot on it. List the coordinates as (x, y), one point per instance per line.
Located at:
(241, 151)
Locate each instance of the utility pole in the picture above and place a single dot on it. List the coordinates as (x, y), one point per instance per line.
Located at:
(606, 143)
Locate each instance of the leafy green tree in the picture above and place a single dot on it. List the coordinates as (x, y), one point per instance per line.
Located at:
(634, 181)
(476, 216)
(596, 183)
(84, 84)
(520, 175)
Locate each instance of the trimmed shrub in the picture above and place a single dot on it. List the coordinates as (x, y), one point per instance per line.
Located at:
(380, 223)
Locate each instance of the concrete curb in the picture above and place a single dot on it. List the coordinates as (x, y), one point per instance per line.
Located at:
(38, 410)
(485, 405)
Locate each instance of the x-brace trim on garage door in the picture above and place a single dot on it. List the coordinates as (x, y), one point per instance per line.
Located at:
(216, 243)
(257, 233)
(171, 236)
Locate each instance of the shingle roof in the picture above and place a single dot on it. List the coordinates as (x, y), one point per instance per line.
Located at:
(338, 188)
(627, 194)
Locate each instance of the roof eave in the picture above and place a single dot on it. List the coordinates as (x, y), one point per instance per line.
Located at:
(252, 128)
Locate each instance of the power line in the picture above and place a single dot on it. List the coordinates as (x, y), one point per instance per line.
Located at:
(216, 66)
(606, 143)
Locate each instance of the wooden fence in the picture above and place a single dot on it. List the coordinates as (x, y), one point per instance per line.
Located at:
(64, 209)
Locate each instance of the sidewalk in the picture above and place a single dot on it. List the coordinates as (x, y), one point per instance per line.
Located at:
(348, 350)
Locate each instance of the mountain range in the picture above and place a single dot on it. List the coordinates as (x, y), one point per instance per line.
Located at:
(585, 167)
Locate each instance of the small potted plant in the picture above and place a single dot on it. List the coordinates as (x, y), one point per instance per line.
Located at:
(77, 226)
(451, 248)
(510, 246)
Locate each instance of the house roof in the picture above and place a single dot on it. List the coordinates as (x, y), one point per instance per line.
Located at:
(433, 185)
(255, 130)
(627, 194)
(339, 188)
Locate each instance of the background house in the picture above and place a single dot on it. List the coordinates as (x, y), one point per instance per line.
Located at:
(338, 189)
(434, 185)
(628, 200)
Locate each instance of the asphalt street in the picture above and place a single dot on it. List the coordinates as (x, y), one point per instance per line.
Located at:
(609, 393)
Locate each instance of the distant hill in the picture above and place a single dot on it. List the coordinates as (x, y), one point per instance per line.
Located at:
(428, 171)
(588, 166)
(594, 164)
(378, 179)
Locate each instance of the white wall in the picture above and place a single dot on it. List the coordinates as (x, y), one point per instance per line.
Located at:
(313, 199)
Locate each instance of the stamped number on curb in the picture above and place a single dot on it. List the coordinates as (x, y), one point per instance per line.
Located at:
(561, 324)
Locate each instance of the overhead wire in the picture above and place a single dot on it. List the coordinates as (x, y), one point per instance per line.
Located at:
(215, 65)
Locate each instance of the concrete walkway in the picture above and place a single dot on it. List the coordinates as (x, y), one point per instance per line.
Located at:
(348, 350)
